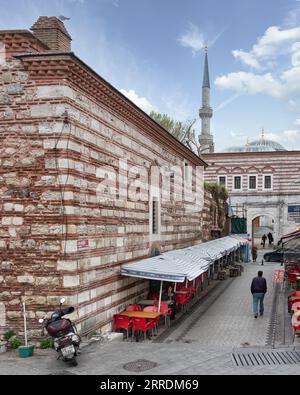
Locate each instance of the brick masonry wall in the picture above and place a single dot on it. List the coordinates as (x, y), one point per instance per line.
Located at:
(57, 239)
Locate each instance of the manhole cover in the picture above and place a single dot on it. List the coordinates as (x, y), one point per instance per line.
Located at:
(140, 366)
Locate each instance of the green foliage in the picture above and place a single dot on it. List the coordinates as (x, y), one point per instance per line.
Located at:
(15, 343)
(47, 343)
(182, 131)
(219, 192)
(220, 195)
(8, 335)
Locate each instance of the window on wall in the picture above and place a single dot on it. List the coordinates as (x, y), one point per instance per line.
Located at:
(187, 172)
(268, 182)
(155, 216)
(252, 182)
(222, 180)
(237, 183)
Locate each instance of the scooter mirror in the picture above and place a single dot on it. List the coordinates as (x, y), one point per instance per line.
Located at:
(41, 321)
(62, 301)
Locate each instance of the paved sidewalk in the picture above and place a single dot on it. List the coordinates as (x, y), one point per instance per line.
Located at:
(230, 321)
(171, 359)
(226, 324)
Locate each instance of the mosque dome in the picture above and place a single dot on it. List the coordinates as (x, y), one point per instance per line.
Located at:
(261, 145)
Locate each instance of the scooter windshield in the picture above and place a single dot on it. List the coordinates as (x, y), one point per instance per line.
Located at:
(68, 310)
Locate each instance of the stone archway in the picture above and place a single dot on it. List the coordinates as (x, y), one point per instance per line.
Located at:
(272, 223)
(262, 225)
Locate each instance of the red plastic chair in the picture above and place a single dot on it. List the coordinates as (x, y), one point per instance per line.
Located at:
(165, 311)
(122, 322)
(154, 295)
(182, 300)
(153, 309)
(191, 291)
(142, 325)
(134, 307)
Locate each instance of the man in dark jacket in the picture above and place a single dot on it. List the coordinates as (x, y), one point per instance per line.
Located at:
(258, 290)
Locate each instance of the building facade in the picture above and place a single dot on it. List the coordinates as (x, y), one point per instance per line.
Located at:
(264, 186)
(70, 146)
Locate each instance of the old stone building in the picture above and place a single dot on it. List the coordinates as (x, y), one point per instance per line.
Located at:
(69, 144)
(263, 181)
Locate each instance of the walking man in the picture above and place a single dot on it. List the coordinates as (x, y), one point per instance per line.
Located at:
(258, 290)
(263, 241)
(270, 237)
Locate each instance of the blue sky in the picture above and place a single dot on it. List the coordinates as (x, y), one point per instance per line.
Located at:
(152, 50)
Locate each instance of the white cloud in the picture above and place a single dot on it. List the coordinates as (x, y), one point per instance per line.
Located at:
(193, 39)
(274, 42)
(264, 55)
(247, 82)
(247, 58)
(297, 122)
(296, 54)
(288, 83)
(141, 102)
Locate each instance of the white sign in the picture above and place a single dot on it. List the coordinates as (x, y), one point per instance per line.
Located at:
(294, 213)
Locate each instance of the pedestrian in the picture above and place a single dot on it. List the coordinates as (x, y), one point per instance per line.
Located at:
(170, 296)
(254, 253)
(263, 241)
(271, 239)
(258, 290)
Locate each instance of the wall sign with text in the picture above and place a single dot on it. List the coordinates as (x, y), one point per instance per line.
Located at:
(294, 213)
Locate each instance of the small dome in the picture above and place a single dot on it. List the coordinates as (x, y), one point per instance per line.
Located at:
(266, 145)
(262, 145)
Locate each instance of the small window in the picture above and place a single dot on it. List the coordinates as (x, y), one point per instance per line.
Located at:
(187, 174)
(155, 216)
(268, 182)
(237, 182)
(222, 181)
(252, 182)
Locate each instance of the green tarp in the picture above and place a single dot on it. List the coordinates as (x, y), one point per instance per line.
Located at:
(238, 225)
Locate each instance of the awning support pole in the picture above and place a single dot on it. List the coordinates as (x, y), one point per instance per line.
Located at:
(160, 293)
(175, 287)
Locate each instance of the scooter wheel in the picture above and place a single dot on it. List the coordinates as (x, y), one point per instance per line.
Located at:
(74, 362)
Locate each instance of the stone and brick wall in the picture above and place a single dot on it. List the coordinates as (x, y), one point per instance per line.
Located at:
(59, 124)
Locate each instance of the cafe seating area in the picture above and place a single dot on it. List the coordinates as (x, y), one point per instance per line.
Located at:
(147, 318)
(188, 272)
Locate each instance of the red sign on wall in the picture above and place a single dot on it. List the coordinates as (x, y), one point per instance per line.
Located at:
(82, 244)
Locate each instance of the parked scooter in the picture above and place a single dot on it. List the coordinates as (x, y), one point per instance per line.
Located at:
(64, 333)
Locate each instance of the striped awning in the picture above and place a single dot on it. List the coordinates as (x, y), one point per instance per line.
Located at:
(162, 268)
(180, 265)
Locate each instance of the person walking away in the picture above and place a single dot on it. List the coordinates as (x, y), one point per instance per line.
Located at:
(258, 290)
(263, 241)
(254, 253)
(270, 237)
